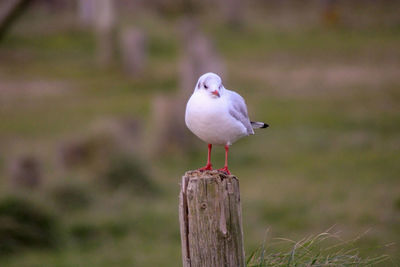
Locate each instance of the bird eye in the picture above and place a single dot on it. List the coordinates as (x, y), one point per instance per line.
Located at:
(205, 86)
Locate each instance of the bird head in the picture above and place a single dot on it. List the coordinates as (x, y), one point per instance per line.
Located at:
(211, 84)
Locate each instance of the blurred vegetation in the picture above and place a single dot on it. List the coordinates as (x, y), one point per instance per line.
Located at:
(129, 173)
(331, 156)
(70, 197)
(24, 225)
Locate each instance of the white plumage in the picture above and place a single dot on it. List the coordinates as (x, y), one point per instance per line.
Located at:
(217, 115)
(217, 120)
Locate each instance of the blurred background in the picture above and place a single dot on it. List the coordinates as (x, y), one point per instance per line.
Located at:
(92, 137)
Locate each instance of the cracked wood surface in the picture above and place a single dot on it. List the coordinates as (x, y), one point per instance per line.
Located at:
(211, 220)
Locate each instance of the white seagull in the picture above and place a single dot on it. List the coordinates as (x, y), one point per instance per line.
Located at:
(218, 116)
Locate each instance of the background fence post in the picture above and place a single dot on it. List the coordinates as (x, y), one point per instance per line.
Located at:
(210, 219)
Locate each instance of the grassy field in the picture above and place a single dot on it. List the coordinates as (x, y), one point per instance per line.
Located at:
(330, 158)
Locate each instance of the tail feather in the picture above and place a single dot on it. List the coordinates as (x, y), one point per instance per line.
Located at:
(257, 124)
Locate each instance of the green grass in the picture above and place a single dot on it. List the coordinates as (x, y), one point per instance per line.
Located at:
(324, 249)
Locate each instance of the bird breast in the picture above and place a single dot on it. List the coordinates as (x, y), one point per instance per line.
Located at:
(209, 119)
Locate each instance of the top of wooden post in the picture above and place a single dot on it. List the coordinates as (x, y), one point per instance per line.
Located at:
(208, 174)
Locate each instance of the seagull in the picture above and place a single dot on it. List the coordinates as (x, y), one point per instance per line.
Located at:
(218, 116)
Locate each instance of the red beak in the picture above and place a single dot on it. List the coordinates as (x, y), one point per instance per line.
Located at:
(215, 93)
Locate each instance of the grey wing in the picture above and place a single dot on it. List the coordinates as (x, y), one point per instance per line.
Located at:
(238, 110)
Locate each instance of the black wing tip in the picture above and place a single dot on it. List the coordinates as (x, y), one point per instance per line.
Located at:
(258, 124)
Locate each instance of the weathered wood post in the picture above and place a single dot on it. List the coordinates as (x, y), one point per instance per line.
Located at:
(104, 25)
(210, 219)
(9, 13)
(133, 46)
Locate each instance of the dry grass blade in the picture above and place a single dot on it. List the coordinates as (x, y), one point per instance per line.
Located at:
(324, 249)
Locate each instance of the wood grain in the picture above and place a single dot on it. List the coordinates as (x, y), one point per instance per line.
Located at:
(211, 220)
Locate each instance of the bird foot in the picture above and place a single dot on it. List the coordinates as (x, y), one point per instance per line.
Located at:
(208, 167)
(225, 170)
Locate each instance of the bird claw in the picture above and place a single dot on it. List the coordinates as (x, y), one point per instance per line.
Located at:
(225, 170)
(208, 167)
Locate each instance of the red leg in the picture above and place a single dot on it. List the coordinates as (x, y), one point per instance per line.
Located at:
(209, 165)
(225, 168)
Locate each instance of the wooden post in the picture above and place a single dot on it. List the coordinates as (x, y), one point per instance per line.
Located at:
(210, 219)
(104, 25)
(133, 49)
(86, 12)
(9, 13)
